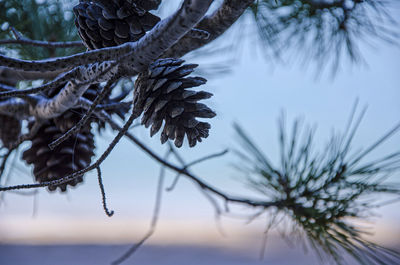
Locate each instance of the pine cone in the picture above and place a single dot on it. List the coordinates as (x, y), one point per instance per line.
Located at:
(162, 94)
(72, 155)
(10, 129)
(107, 23)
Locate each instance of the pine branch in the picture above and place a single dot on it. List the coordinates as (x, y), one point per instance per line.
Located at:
(215, 24)
(325, 31)
(38, 43)
(21, 40)
(138, 55)
(69, 62)
(321, 192)
(36, 20)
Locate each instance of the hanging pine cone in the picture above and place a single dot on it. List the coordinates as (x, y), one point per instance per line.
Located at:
(162, 95)
(72, 155)
(10, 129)
(107, 23)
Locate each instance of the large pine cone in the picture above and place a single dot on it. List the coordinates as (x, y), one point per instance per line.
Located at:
(107, 23)
(72, 155)
(162, 94)
(10, 130)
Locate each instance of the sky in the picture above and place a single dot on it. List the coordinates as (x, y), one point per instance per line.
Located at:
(253, 94)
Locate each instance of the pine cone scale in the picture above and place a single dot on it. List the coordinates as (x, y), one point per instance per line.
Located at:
(91, 24)
(134, 26)
(176, 111)
(173, 86)
(104, 24)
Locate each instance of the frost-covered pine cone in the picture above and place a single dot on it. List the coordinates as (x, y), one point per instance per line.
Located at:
(107, 23)
(10, 130)
(162, 94)
(74, 154)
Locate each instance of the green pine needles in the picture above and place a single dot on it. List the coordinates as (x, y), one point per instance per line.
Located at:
(325, 193)
(40, 21)
(327, 30)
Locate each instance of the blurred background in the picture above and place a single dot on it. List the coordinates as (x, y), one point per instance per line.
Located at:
(251, 88)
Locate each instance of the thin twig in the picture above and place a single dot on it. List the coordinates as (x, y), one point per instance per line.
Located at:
(35, 204)
(177, 177)
(214, 203)
(21, 40)
(7, 177)
(156, 213)
(208, 157)
(69, 62)
(270, 224)
(63, 78)
(103, 194)
(84, 120)
(12, 76)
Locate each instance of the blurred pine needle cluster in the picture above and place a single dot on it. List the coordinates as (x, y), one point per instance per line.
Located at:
(324, 192)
